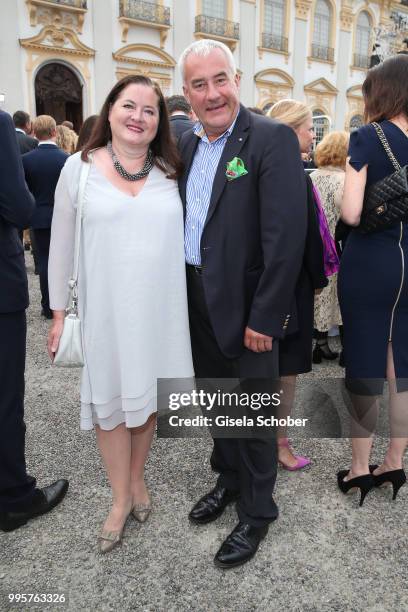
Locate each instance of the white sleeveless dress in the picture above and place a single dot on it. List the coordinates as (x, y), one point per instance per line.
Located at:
(132, 291)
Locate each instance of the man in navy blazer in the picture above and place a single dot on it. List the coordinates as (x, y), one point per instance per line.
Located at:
(179, 115)
(22, 123)
(244, 193)
(26, 143)
(20, 500)
(42, 168)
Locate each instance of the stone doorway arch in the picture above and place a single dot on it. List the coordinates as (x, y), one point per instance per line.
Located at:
(58, 92)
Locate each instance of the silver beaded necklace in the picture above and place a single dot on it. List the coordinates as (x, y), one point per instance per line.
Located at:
(148, 165)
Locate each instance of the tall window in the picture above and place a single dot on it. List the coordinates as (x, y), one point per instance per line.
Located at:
(214, 8)
(321, 31)
(320, 124)
(273, 35)
(274, 17)
(363, 41)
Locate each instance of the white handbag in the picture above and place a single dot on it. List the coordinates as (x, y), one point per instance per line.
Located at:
(70, 353)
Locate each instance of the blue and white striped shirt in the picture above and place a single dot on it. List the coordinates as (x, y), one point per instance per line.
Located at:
(199, 187)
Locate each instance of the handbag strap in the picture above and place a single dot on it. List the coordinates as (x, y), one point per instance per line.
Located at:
(73, 282)
(386, 145)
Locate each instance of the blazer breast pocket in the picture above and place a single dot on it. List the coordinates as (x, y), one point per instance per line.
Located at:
(240, 181)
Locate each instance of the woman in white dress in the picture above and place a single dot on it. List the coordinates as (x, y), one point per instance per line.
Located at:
(131, 287)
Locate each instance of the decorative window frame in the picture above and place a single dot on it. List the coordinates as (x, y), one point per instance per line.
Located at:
(367, 9)
(286, 30)
(229, 41)
(199, 9)
(270, 91)
(156, 64)
(60, 14)
(321, 95)
(128, 22)
(66, 49)
(332, 34)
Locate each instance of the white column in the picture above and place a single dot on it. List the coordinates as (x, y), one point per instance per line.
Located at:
(104, 76)
(183, 26)
(343, 68)
(247, 50)
(300, 46)
(11, 54)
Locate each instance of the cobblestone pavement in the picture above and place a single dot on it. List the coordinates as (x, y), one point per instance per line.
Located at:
(323, 554)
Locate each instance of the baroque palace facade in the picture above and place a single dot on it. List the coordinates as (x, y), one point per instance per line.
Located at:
(68, 53)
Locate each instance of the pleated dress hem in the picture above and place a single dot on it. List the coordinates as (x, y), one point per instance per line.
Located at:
(115, 412)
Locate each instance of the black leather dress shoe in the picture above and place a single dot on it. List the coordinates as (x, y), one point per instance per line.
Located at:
(44, 500)
(212, 505)
(240, 545)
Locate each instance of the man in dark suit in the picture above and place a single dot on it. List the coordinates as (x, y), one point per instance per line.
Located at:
(22, 123)
(26, 143)
(42, 168)
(180, 115)
(20, 499)
(244, 194)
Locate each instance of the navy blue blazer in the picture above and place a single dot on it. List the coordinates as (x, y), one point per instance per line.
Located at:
(253, 240)
(16, 208)
(180, 124)
(42, 168)
(25, 143)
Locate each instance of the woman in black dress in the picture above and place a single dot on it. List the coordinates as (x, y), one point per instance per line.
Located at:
(373, 285)
(295, 350)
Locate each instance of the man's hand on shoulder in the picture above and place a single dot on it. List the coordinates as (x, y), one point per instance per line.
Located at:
(256, 342)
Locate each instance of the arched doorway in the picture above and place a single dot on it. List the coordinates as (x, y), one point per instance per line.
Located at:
(58, 92)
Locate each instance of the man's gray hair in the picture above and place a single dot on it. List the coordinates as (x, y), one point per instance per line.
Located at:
(203, 47)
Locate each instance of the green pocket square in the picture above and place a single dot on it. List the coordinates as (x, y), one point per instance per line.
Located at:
(235, 169)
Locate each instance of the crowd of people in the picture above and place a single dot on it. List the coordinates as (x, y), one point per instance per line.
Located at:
(206, 250)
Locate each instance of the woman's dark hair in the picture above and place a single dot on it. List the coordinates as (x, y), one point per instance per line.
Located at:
(385, 89)
(85, 132)
(163, 146)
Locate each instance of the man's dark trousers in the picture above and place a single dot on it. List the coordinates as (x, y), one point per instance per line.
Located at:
(42, 242)
(16, 209)
(251, 253)
(16, 487)
(246, 465)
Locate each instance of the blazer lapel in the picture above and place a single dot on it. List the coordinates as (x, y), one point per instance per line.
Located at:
(187, 154)
(232, 149)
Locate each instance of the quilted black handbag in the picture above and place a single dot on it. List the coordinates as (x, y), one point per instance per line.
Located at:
(385, 202)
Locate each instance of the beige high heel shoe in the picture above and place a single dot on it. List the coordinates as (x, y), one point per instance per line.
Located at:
(108, 540)
(141, 511)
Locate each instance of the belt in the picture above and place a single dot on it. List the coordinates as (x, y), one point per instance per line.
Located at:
(197, 269)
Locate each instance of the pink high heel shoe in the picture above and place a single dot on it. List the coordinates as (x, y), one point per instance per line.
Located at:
(301, 462)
